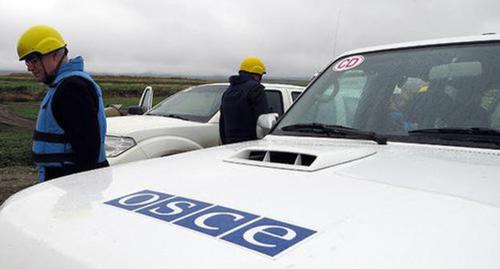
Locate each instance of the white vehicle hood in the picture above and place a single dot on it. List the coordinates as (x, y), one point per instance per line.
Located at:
(370, 206)
(142, 127)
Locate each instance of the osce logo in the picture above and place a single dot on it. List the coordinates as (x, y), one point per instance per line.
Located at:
(265, 235)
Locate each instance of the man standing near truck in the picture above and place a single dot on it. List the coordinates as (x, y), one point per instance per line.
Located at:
(243, 102)
(71, 125)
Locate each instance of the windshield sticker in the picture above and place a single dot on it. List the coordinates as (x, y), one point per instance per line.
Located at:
(264, 235)
(349, 63)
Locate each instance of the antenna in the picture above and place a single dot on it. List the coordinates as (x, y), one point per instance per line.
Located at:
(337, 26)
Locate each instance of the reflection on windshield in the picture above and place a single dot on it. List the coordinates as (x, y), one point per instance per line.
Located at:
(394, 92)
(196, 104)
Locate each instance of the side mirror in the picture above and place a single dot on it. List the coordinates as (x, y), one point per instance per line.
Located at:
(265, 123)
(136, 110)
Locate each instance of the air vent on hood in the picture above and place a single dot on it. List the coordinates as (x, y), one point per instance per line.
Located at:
(301, 159)
(281, 157)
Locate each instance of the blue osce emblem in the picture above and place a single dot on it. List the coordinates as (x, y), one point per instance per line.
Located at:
(264, 235)
(173, 209)
(216, 220)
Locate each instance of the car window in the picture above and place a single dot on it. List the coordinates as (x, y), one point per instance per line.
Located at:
(338, 107)
(275, 101)
(394, 93)
(199, 103)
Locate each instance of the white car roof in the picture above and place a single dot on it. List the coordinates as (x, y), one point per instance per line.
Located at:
(424, 43)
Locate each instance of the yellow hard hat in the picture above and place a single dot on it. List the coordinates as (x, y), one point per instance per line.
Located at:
(41, 39)
(253, 65)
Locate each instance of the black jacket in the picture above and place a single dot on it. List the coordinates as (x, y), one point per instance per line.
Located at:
(75, 108)
(242, 103)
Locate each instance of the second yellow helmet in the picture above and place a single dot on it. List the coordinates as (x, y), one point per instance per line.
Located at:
(41, 39)
(253, 65)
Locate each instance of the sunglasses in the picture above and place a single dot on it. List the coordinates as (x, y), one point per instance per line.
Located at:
(32, 59)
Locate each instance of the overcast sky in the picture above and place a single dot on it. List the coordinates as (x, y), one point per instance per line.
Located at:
(295, 38)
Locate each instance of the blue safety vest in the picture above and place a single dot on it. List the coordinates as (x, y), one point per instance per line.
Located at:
(50, 146)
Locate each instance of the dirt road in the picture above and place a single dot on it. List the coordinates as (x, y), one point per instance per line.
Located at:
(7, 117)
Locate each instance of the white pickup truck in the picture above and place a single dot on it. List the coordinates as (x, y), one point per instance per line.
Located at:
(389, 159)
(187, 120)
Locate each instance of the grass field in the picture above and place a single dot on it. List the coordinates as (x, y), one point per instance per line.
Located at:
(16, 167)
(15, 145)
(27, 110)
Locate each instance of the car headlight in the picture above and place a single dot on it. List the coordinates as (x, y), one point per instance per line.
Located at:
(116, 145)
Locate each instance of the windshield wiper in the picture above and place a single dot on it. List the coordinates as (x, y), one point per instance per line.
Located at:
(336, 131)
(176, 116)
(458, 131)
(474, 134)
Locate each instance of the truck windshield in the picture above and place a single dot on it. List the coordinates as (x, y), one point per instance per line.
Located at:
(199, 103)
(438, 95)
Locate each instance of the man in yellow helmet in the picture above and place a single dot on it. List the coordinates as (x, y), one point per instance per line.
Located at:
(243, 102)
(71, 125)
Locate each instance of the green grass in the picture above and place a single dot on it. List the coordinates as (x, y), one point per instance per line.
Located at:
(27, 110)
(15, 146)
